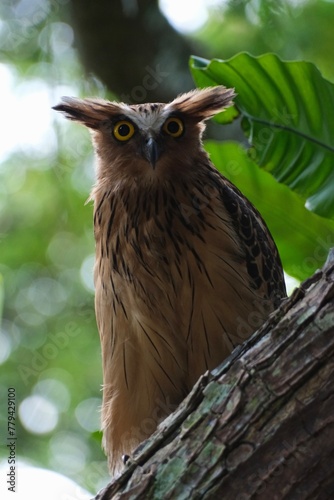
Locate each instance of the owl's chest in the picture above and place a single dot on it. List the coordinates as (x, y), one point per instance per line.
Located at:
(137, 257)
(154, 249)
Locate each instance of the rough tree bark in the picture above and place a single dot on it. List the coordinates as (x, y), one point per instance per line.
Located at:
(261, 425)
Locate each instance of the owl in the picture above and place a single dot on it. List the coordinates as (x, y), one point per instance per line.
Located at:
(186, 268)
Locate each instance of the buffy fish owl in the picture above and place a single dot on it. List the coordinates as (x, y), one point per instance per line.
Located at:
(185, 268)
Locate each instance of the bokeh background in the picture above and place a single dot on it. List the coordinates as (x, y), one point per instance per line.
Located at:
(133, 50)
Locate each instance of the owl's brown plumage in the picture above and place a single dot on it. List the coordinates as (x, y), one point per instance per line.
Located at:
(185, 269)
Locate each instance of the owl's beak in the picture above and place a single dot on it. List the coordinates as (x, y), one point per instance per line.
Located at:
(152, 151)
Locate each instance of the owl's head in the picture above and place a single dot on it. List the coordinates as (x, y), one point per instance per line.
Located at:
(147, 141)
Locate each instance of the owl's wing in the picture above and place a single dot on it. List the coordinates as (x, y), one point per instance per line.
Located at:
(234, 276)
(261, 256)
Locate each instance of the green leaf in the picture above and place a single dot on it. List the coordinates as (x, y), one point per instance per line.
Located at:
(302, 237)
(287, 114)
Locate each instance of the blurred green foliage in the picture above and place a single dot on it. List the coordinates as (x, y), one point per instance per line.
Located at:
(50, 350)
(294, 29)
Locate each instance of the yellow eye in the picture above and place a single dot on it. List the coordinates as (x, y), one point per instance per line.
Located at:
(123, 130)
(174, 127)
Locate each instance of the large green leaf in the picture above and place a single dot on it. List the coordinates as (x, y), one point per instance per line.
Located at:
(287, 111)
(303, 238)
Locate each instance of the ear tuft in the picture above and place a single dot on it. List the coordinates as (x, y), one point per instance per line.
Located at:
(89, 112)
(202, 104)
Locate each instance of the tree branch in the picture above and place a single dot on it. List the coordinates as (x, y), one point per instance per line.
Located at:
(259, 426)
(131, 48)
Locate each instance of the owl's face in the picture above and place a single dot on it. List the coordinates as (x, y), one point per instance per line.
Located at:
(147, 142)
(148, 132)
